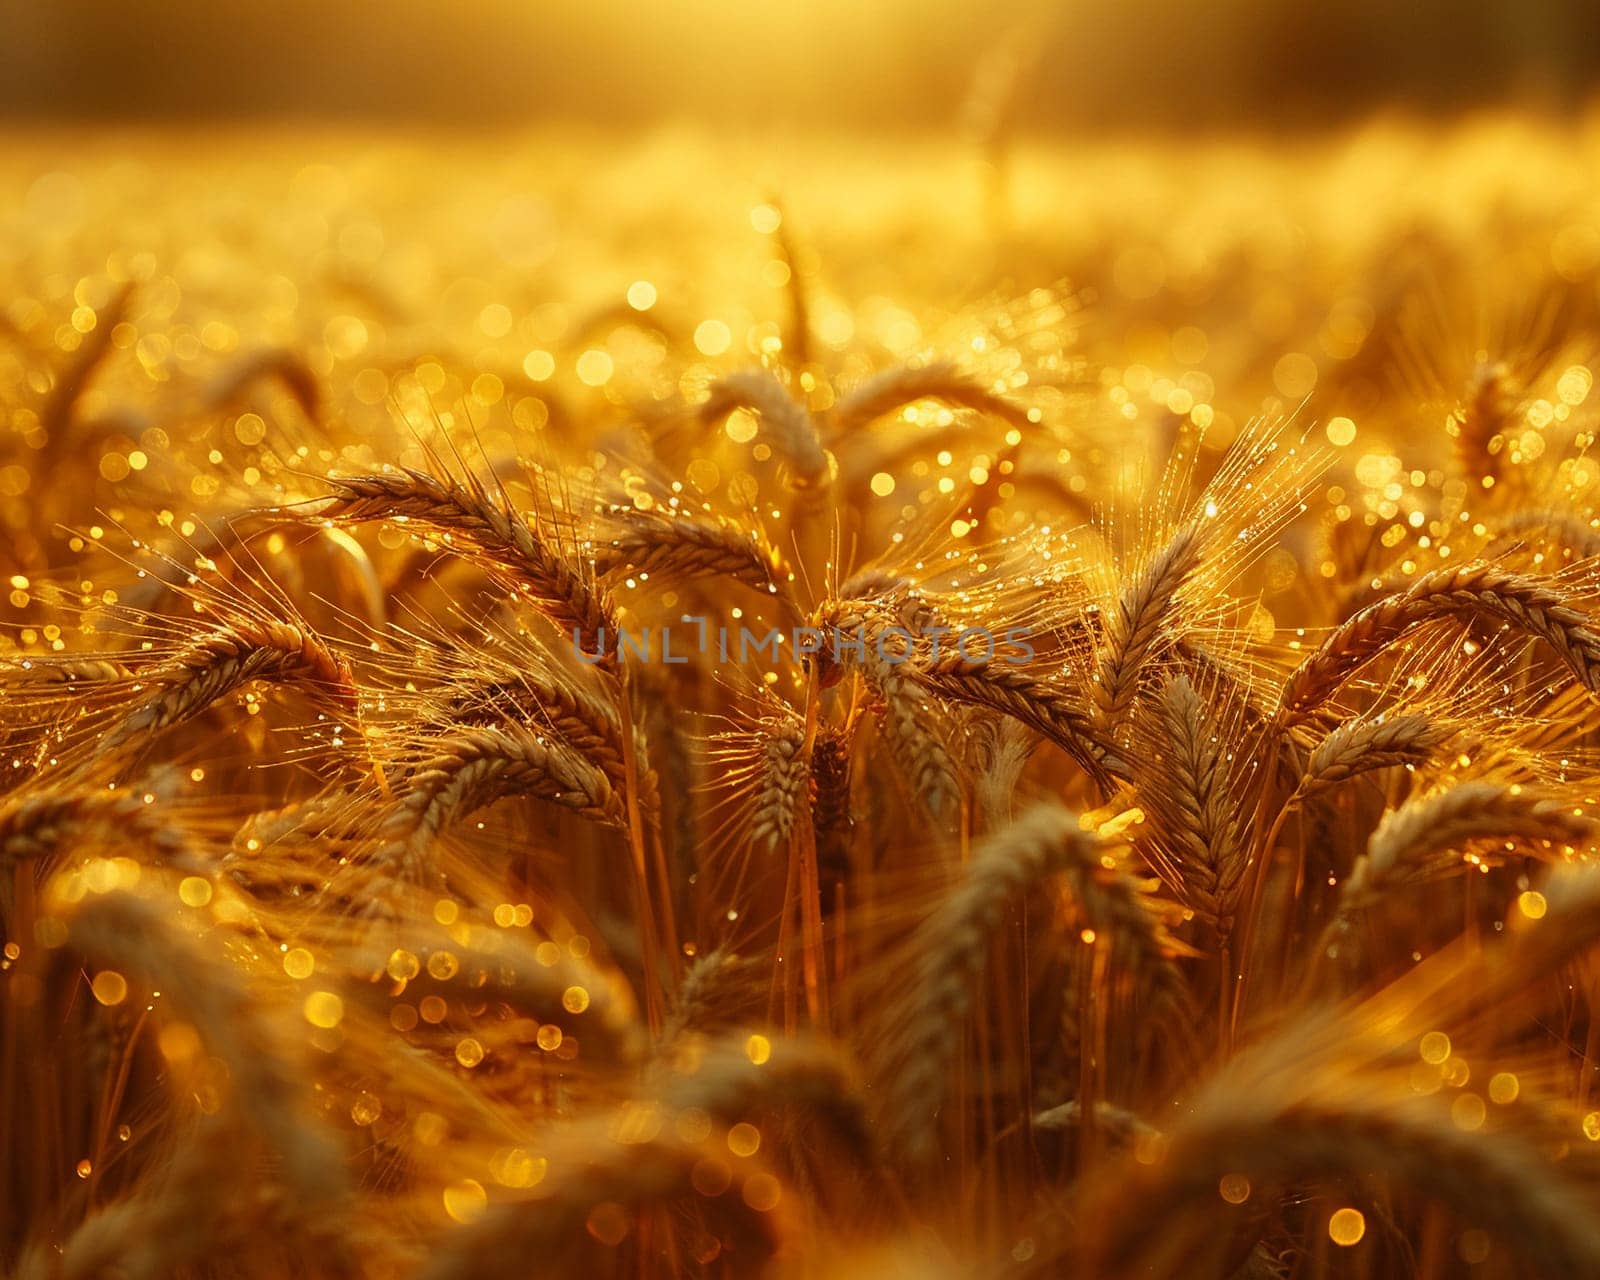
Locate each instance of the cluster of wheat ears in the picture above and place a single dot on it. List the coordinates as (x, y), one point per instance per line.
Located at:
(365, 913)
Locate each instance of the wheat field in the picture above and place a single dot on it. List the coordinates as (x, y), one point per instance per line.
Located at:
(578, 707)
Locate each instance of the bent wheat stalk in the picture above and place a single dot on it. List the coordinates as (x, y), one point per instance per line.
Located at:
(1531, 606)
(1366, 745)
(609, 1163)
(216, 664)
(1411, 844)
(894, 389)
(1043, 706)
(789, 425)
(473, 769)
(467, 512)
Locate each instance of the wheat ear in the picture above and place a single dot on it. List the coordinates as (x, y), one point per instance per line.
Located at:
(1482, 419)
(1121, 1125)
(156, 1232)
(1560, 528)
(740, 1075)
(595, 1004)
(1197, 796)
(911, 730)
(783, 781)
(893, 389)
(35, 826)
(682, 549)
(1133, 631)
(223, 660)
(948, 955)
(1365, 745)
(1467, 592)
(287, 366)
(832, 817)
(910, 725)
(789, 424)
(1273, 1132)
(138, 936)
(584, 721)
(1541, 947)
(797, 337)
(564, 591)
(617, 1163)
(1409, 842)
(713, 983)
(1043, 706)
(57, 412)
(474, 768)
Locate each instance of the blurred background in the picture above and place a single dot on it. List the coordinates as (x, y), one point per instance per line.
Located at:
(888, 65)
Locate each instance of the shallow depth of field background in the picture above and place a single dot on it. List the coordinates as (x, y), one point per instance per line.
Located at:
(1193, 337)
(888, 65)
